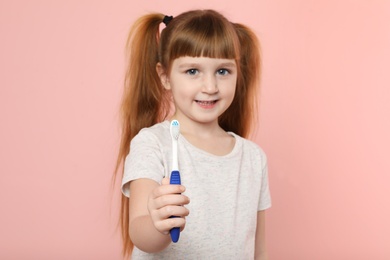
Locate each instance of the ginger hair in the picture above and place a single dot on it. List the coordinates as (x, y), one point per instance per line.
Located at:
(145, 102)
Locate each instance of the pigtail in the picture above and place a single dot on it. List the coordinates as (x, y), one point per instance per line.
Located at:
(143, 102)
(142, 105)
(241, 117)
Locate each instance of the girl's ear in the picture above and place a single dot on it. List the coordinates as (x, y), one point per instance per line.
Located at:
(163, 76)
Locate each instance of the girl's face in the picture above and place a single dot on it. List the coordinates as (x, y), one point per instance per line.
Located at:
(202, 88)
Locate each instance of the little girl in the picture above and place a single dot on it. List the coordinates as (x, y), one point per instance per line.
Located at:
(203, 71)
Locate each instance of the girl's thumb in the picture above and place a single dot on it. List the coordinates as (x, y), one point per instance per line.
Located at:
(165, 181)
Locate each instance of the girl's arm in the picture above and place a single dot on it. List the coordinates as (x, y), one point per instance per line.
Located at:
(260, 248)
(151, 205)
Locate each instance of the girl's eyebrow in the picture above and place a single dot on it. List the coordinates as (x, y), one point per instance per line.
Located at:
(186, 65)
(228, 64)
(224, 64)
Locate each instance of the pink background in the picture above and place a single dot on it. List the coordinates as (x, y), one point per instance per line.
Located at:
(325, 124)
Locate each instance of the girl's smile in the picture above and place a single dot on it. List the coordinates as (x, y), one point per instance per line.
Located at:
(206, 104)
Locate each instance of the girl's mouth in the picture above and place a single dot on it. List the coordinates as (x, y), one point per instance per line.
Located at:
(206, 103)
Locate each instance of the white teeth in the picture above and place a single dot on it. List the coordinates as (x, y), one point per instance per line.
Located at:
(206, 102)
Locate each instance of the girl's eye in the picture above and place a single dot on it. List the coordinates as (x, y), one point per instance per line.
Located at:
(223, 72)
(192, 71)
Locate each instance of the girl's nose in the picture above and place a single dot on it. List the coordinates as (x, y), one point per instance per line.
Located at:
(210, 85)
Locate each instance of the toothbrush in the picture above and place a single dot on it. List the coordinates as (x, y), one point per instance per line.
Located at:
(175, 174)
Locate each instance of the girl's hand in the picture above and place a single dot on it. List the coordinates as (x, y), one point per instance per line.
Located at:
(165, 201)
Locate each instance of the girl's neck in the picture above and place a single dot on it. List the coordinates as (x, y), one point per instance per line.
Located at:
(198, 129)
(209, 137)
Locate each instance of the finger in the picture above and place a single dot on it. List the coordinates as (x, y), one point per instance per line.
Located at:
(165, 225)
(159, 216)
(167, 189)
(168, 211)
(182, 228)
(170, 199)
(165, 181)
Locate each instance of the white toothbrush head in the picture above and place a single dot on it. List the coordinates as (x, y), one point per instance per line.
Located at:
(175, 129)
(175, 132)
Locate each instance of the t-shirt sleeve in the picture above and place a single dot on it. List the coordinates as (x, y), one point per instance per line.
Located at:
(143, 161)
(265, 196)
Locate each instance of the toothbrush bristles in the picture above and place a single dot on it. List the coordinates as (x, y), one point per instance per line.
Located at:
(175, 129)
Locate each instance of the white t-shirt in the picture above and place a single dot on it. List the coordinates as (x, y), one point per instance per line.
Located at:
(225, 193)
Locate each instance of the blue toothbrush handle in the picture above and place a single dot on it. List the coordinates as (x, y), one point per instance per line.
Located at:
(175, 232)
